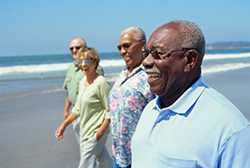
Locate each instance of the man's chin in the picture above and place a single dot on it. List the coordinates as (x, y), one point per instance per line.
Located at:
(128, 63)
(155, 90)
(74, 57)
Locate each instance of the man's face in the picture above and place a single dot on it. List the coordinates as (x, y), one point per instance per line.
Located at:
(130, 50)
(74, 46)
(165, 63)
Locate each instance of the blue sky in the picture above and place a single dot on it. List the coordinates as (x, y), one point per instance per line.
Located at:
(45, 27)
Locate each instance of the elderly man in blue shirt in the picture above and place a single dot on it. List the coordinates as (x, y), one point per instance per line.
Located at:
(188, 124)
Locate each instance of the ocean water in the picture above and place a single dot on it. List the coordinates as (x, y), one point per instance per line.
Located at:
(20, 74)
(49, 66)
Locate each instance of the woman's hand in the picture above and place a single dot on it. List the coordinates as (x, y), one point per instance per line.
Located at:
(101, 130)
(59, 132)
(99, 135)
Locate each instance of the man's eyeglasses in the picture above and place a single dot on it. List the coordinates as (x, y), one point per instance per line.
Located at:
(127, 45)
(76, 47)
(157, 54)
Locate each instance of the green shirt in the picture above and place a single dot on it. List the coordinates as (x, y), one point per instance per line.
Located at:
(71, 82)
(92, 105)
(72, 79)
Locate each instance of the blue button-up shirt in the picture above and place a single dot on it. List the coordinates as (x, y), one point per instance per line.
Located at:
(201, 129)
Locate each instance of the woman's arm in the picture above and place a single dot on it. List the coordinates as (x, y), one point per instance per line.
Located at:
(60, 130)
(67, 106)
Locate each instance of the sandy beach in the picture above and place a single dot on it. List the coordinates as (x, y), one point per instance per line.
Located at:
(27, 125)
(28, 122)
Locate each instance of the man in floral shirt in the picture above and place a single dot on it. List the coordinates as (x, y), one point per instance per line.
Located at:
(129, 95)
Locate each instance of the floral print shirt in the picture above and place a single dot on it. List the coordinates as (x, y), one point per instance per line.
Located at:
(128, 97)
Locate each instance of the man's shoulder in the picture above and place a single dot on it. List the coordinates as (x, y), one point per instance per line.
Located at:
(142, 73)
(218, 100)
(150, 106)
(139, 78)
(71, 66)
(222, 110)
(70, 69)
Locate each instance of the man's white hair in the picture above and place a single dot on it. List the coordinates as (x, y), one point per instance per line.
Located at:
(137, 32)
(81, 40)
(192, 36)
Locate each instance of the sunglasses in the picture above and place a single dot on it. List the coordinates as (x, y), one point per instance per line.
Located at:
(74, 47)
(87, 62)
(127, 45)
(124, 45)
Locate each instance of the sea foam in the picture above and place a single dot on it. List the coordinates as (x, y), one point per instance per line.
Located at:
(224, 67)
(226, 56)
(44, 68)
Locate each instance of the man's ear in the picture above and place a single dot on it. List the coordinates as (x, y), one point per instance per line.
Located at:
(192, 59)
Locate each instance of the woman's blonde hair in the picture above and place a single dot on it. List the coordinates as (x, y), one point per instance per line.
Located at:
(89, 53)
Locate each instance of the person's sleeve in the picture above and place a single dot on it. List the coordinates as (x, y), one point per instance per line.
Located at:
(65, 83)
(76, 108)
(104, 93)
(66, 80)
(236, 151)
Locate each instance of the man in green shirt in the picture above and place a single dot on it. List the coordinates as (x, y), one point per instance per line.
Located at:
(72, 79)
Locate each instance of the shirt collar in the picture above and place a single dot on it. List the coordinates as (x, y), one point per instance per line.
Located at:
(134, 71)
(187, 100)
(125, 76)
(76, 68)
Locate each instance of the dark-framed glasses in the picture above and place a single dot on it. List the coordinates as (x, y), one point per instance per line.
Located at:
(127, 45)
(124, 45)
(74, 47)
(159, 54)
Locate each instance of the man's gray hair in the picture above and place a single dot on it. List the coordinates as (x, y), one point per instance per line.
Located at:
(192, 36)
(81, 40)
(137, 32)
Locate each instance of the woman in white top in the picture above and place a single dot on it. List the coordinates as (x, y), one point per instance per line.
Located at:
(92, 108)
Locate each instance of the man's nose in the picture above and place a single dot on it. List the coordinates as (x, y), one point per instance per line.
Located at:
(148, 61)
(74, 50)
(123, 51)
